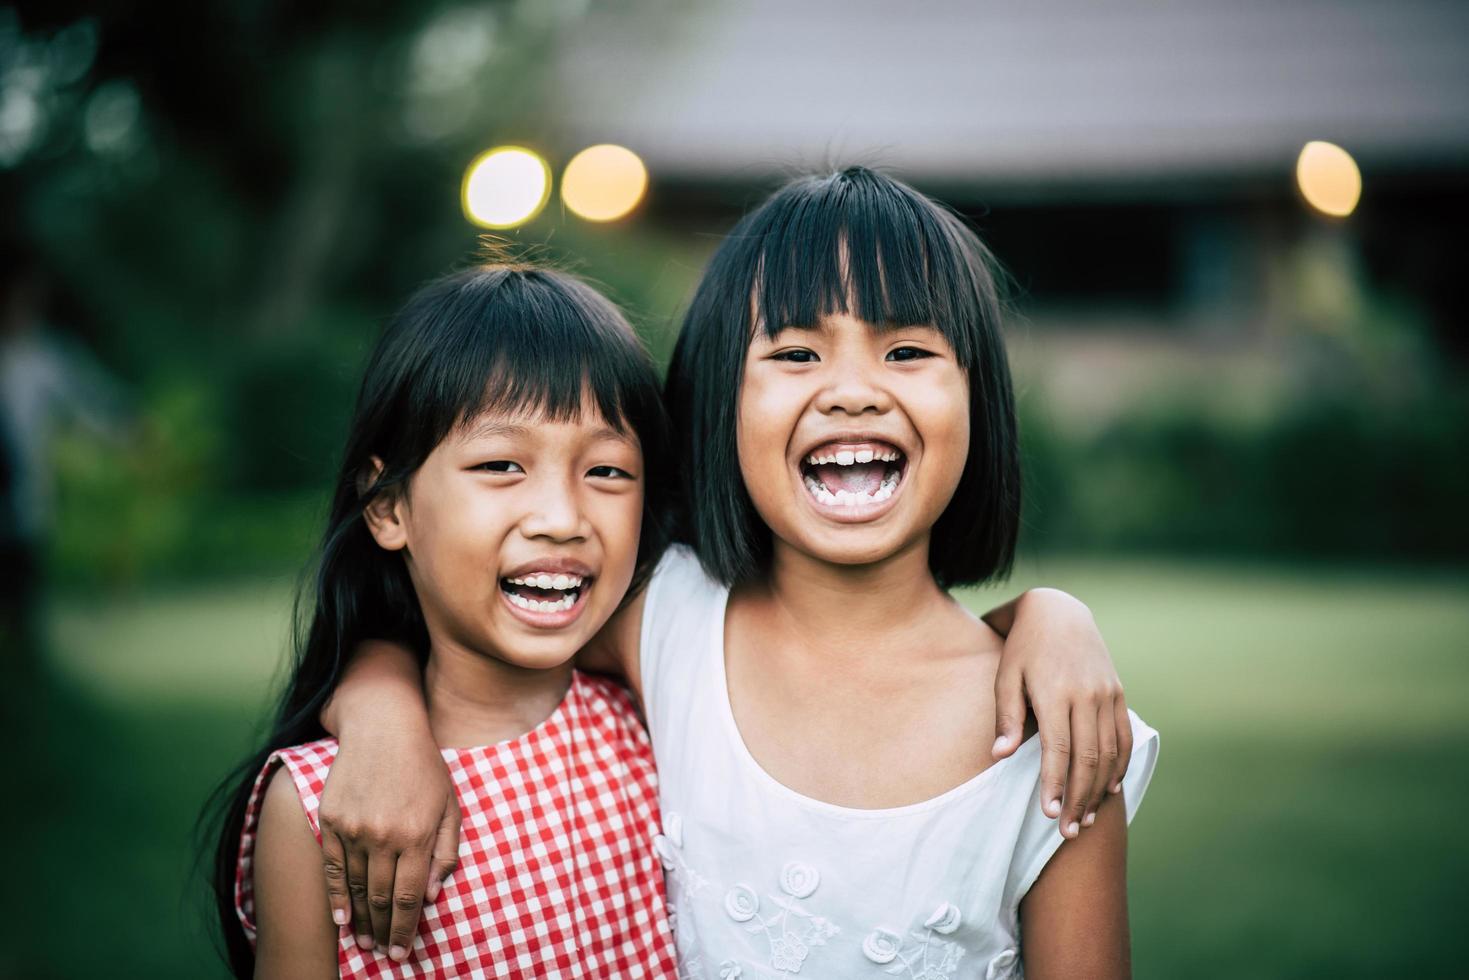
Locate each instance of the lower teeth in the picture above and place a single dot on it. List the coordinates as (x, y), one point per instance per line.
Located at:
(847, 498)
(538, 605)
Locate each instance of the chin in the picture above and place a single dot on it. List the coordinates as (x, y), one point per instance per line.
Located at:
(855, 547)
(541, 656)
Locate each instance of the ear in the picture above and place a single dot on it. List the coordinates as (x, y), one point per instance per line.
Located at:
(384, 513)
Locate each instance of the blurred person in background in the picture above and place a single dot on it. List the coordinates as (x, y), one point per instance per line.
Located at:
(45, 382)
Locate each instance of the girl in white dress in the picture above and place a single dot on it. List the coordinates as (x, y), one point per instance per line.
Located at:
(832, 803)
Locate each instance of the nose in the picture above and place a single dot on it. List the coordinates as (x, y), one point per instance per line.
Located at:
(853, 391)
(554, 513)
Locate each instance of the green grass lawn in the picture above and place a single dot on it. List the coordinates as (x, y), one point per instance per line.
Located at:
(1307, 817)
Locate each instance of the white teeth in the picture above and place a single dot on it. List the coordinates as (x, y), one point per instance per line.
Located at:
(847, 457)
(543, 581)
(538, 605)
(848, 498)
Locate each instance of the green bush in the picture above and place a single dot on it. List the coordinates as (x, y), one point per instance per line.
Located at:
(1325, 477)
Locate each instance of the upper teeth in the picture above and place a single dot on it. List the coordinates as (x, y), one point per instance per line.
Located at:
(542, 580)
(847, 457)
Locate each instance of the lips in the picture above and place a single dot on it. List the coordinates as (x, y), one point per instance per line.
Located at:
(853, 479)
(547, 593)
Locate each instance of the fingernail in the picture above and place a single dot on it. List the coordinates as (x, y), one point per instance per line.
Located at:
(1054, 808)
(398, 953)
(339, 916)
(364, 942)
(433, 891)
(1091, 818)
(1117, 787)
(1002, 743)
(1072, 829)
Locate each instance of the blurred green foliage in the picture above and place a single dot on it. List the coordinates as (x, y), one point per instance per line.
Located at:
(1327, 476)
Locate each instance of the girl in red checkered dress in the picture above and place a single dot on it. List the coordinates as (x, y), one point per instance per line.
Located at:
(490, 513)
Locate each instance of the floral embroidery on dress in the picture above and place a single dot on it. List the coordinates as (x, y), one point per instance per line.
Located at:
(792, 931)
(927, 957)
(669, 848)
(1003, 966)
(685, 882)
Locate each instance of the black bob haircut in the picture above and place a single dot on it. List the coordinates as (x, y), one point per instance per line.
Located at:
(506, 337)
(864, 244)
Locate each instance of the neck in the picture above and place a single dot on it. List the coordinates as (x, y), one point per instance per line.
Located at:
(846, 611)
(477, 699)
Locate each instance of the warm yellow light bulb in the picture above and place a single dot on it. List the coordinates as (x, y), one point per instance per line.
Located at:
(603, 182)
(1329, 179)
(505, 187)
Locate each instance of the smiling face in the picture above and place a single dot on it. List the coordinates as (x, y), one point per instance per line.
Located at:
(851, 439)
(520, 533)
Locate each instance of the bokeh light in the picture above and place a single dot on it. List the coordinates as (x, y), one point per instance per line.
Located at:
(505, 187)
(1329, 179)
(604, 182)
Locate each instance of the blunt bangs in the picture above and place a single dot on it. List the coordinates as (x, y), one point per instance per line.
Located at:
(507, 339)
(860, 243)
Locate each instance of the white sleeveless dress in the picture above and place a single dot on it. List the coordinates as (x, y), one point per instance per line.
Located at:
(765, 882)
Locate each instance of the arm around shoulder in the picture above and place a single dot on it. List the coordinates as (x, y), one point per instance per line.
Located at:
(616, 647)
(295, 933)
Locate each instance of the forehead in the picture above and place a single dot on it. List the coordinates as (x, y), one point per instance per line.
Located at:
(839, 323)
(534, 423)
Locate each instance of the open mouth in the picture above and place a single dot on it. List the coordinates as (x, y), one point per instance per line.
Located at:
(853, 475)
(545, 592)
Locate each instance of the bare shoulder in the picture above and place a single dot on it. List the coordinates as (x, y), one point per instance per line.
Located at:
(296, 935)
(961, 633)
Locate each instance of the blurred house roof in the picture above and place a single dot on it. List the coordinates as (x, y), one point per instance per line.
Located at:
(1036, 93)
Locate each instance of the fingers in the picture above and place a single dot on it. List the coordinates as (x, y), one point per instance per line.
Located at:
(357, 891)
(1107, 747)
(1086, 759)
(1055, 731)
(382, 865)
(446, 850)
(1124, 741)
(1009, 711)
(408, 883)
(334, 862)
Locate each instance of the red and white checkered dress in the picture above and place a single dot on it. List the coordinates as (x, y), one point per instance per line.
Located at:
(557, 875)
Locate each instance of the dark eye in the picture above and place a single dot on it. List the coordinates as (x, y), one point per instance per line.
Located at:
(908, 354)
(610, 472)
(799, 355)
(499, 466)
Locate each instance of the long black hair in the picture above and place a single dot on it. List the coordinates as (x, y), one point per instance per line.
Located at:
(862, 243)
(492, 337)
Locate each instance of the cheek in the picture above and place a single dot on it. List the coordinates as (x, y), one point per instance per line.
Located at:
(765, 416)
(944, 411)
(457, 525)
(618, 519)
